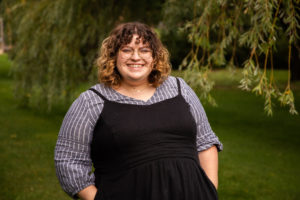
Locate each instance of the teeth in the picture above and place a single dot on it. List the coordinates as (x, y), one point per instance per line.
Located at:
(135, 66)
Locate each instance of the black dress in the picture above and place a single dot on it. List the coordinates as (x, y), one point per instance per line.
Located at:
(148, 152)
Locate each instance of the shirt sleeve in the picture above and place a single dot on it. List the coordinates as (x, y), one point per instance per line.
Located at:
(205, 135)
(72, 152)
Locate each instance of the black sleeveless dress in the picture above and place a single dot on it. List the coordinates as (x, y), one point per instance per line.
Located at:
(148, 152)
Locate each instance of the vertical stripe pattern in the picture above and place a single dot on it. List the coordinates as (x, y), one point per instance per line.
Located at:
(72, 152)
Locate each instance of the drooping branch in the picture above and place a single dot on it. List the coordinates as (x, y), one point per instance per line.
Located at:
(258, 31)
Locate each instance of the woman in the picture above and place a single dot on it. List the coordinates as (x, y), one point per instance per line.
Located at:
(145, 132)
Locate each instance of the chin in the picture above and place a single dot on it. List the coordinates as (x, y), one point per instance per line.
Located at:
(137, 78)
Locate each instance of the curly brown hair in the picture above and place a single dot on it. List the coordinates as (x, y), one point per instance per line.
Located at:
(122, 35)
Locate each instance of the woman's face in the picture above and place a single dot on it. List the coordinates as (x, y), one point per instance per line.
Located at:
(135, 61)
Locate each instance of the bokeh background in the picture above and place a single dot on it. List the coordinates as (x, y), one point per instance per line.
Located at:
(48, 49)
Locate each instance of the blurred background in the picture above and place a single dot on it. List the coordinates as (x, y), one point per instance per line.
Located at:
(241, 57)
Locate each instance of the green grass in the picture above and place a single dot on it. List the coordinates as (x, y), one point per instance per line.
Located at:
(261, 154)
(26, 149)
(260, 158)
(5, 64)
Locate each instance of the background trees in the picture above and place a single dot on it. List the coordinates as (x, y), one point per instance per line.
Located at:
(241, 33)
(56, 42)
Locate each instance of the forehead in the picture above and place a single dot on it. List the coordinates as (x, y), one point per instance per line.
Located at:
(137, 41)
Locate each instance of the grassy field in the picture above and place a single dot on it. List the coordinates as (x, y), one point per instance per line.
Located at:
(260, 158)
(26, 148)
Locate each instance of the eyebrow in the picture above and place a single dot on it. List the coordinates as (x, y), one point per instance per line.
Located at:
(125, 46)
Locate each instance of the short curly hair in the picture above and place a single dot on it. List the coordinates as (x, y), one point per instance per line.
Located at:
(122, 35)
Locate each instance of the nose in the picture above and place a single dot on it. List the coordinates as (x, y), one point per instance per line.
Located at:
(135, 55)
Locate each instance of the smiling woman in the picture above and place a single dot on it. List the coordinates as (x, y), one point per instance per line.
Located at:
(135, 63)
(133, 43)
(145, 132)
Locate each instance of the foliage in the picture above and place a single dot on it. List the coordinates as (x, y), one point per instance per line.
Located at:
(219, 28)
(175, 13)
(56, 42)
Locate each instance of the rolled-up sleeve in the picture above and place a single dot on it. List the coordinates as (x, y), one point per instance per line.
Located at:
(72, 152)
(205, 135)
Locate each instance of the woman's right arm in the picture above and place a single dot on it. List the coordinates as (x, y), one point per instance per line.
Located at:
(88, 193)
(72, 152)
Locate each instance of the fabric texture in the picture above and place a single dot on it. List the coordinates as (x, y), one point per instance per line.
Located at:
(72, 153)
(148, 152)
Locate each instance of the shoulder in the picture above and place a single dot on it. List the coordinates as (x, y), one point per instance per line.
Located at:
(92, 98)
(89, 103)
(172, 82)
(87, 100)
(168, 88)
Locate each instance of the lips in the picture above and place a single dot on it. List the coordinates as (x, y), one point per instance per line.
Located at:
(135, 65)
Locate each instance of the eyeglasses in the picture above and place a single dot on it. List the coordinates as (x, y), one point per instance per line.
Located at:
(127, 52)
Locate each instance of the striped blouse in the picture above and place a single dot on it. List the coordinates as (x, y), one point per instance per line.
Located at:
(72, 153)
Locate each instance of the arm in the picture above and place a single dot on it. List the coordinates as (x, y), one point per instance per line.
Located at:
(88, 193)
(209, 163)
(72, 152)
(208, 143)
(206, 138)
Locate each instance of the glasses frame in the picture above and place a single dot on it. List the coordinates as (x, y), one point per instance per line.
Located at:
(142, 52)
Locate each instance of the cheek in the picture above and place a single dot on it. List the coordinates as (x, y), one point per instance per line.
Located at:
(120, 61)
(122, 57)
(150, 61)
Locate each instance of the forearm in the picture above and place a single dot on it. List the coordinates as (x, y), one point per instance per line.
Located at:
(209, 163)
(88, 193)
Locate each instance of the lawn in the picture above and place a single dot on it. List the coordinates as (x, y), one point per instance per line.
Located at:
(260, 158)
(26, 149)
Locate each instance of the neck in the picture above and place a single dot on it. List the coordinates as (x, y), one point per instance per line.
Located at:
(139, 86)
(142, 91)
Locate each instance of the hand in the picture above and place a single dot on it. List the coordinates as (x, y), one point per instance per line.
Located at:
(88, 193)
(209, 163)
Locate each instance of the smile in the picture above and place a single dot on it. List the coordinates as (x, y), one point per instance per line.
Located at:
(135, 66)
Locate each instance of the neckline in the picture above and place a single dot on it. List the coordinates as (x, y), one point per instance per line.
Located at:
(138, 101)
(144, 103)
(135, 99)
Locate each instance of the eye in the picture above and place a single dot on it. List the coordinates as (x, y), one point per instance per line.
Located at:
(145, 50)
(126, 50)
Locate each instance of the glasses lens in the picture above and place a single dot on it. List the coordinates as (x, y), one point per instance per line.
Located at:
(142, 53)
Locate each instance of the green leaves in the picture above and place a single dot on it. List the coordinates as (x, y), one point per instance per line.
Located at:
(250, 73)
(199, 79)
(55, 47)
(287, 98)
(215, 30)
(56, 43)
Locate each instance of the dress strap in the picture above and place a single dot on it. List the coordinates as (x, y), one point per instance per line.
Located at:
(99, 94)
(178, 86)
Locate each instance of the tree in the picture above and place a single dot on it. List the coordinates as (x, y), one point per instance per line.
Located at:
(56, 42)
(221, 28)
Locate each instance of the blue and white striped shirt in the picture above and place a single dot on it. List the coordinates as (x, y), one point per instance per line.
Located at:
(72, 153)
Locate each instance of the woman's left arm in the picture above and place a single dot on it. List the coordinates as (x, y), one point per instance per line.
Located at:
(209, 163)
(207, 142)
